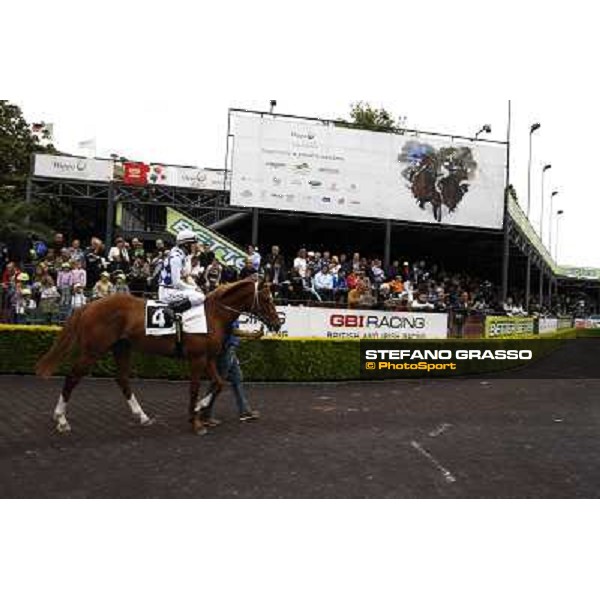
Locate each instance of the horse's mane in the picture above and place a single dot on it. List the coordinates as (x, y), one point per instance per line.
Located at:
(227, 288)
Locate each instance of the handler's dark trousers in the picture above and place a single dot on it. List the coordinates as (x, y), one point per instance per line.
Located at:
(228, 366)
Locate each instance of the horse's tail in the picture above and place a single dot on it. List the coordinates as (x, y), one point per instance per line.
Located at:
(61, 347)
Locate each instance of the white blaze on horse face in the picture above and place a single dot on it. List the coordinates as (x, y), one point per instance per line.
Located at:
(137, 410)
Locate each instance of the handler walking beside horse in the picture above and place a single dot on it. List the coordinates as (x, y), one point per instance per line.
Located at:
(117, 324)
(228, 366)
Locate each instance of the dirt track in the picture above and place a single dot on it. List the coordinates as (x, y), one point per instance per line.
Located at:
(450, 438)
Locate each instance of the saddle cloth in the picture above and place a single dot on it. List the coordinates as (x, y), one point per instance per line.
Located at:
(160, 320)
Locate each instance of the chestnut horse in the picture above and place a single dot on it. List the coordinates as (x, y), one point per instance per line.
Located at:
(117, 323)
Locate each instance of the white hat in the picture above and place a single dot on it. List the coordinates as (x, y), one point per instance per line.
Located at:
(187, 236)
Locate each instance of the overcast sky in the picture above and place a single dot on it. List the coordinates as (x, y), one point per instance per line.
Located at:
(153, 81)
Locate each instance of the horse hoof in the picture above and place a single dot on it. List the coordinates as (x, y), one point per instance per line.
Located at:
(147, 422)
(63, 428)
(198, 427)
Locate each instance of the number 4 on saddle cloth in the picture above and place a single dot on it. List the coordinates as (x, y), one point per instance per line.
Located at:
(160, 319)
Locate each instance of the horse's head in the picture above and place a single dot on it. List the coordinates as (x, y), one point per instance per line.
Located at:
(250, 296)
(264, 307)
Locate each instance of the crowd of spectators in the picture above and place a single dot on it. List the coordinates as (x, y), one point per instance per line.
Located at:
(59, 277)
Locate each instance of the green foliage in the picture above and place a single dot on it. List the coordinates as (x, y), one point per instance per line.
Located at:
(17, 144)
(364, 116)
(262, 360)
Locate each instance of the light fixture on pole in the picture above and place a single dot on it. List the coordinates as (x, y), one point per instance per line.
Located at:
(554, 193)
(273, 105)
(484, 129)
(558, 214)
(546, 168)
(532, 130)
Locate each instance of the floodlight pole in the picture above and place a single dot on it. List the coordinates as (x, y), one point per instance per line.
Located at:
(506, 222)
(528, 281)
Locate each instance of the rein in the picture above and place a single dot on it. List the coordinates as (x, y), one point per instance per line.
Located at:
(255, 304)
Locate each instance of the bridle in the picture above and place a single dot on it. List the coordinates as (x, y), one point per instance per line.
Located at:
(252, 311)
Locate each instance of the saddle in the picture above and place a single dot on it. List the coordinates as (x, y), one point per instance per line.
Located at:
(161, 319)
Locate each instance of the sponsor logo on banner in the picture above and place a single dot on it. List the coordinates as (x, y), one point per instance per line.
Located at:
(331, 323)
(204, 179)
(135, 173)
(72, 167)
(507, 327)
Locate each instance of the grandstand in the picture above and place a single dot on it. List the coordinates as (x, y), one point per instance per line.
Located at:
(119, 197)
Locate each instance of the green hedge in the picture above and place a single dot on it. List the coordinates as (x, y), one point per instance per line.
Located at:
(262, 360)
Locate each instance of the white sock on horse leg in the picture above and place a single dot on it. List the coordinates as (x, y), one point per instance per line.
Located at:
(61, 407)
(203, 402)
(137, 410)
(60, 415)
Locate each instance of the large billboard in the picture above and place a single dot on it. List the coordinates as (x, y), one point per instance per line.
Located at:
(319, 167)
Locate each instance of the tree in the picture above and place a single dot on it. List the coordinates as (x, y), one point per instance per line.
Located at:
(17, 145)
(364, 116)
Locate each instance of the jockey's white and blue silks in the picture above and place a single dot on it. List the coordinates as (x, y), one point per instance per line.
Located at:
(172, 284)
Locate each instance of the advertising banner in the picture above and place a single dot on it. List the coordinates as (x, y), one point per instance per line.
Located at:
(135, 173)
(590, 323)
(508, 327)
(546, 325)
(565, 323)
(580, 272)
(334, 323)
(187, 177)
(71, 167)
(313, 166)
(226, 252)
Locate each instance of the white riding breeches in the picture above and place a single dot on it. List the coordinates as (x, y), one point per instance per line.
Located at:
(166, 294)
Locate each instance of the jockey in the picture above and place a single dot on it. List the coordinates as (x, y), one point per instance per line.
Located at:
(172, 287)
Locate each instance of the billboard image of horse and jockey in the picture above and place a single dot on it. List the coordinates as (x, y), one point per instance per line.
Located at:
(295, 164)
(438, 177)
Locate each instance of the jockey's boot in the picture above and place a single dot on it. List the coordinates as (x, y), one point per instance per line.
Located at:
(179, 306)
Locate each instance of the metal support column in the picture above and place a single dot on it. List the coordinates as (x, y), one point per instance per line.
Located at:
(110, 216)
(387, 250)
(541, 299)
(254, 226)
(549, 290)
(528, 283)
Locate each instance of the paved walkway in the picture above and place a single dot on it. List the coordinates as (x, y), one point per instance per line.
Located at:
(440, 439)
